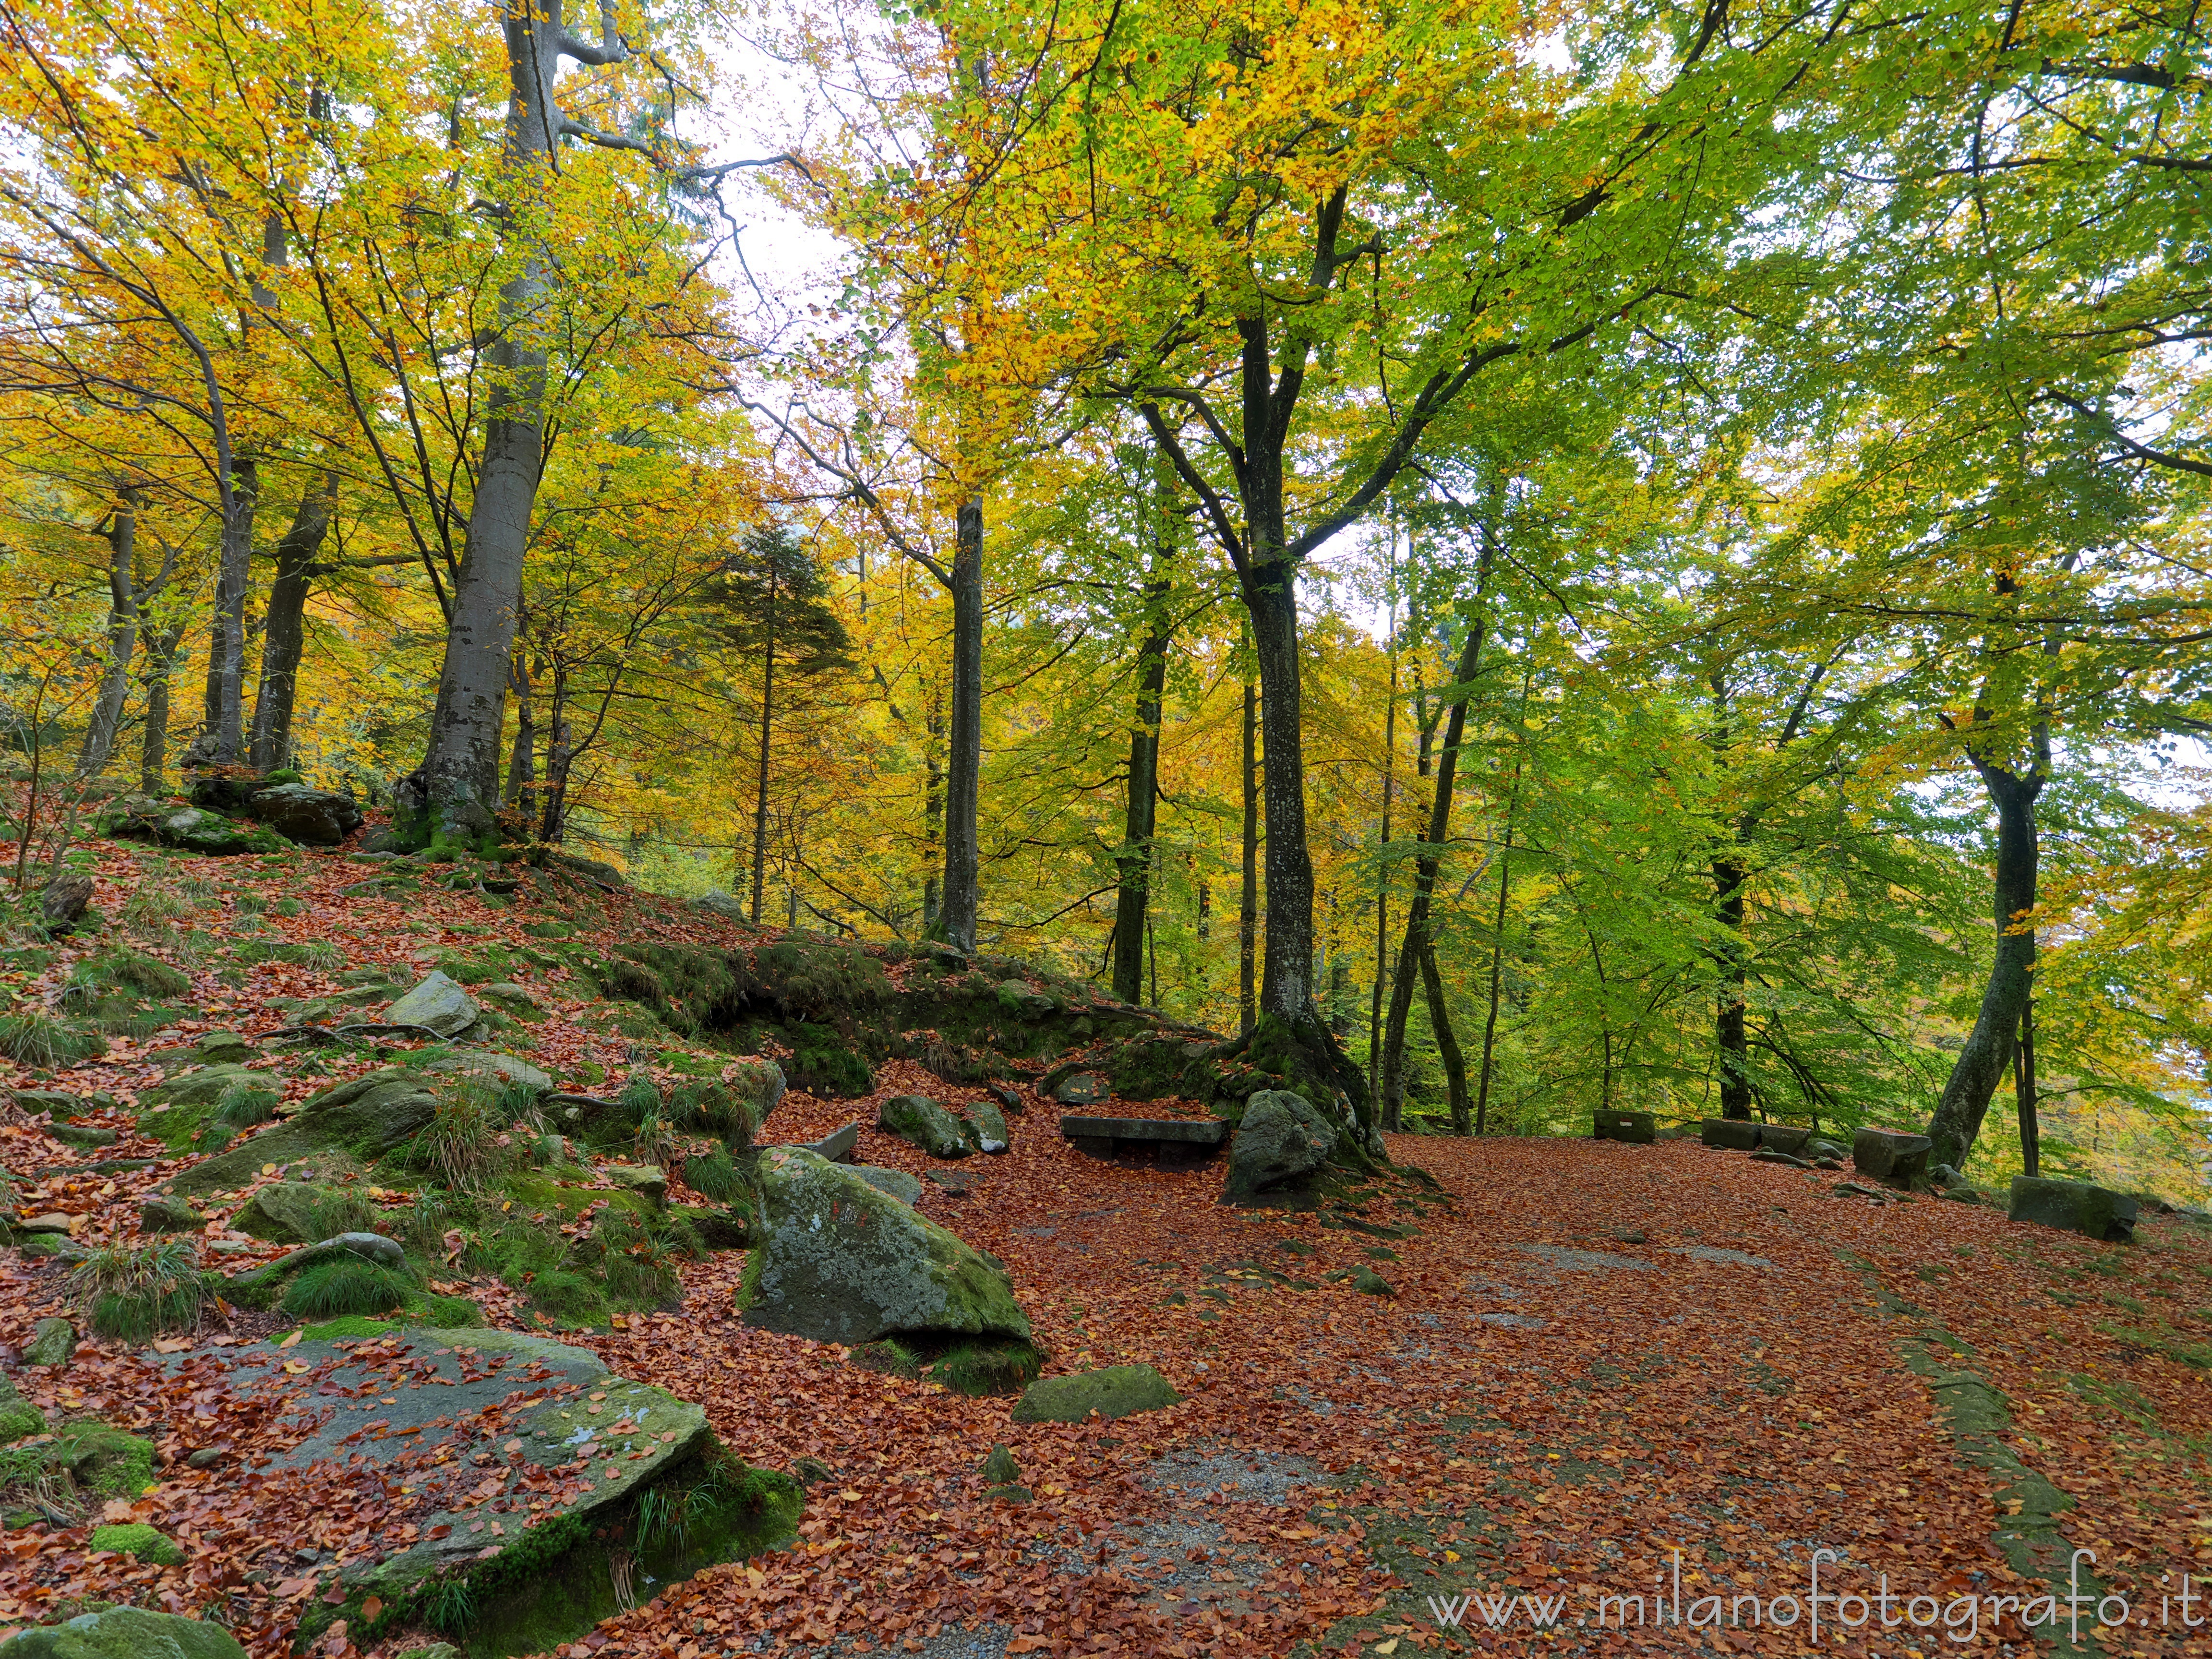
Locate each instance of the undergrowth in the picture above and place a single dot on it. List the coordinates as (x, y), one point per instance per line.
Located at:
(131, 1294)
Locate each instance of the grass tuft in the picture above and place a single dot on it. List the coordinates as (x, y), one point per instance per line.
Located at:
(31, 1039)
(331, 1290)
(129, 1295)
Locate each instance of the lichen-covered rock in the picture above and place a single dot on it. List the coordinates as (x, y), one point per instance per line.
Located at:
(52, 1341)
(840, 1261)
(438, 1004)
(125, 1633)
(921, 1120)
(162, 1214)
(135, 1538)
(138, 817)
(897, 1183)
(647, 1181)
(504, 1067)
(986, 1126)
(2077, 1206)
(1281, 1139)
(311, 816)
(285, 1212)
(1115, 1391)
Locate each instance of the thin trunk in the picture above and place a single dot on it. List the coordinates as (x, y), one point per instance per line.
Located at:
(2031, 1130)
(557, 758)
(122, 535)
(1134, 862)
(1498, 936)
(767, 729)
(1729, 1030)
(1248, 910)
(283, 637)
(1430, 855)
(522, 758)
(932, 812)
(1382, 871)
(1446, 1042)
(965, 757)
(1988, 1053)
(161, 650)
(225, 699)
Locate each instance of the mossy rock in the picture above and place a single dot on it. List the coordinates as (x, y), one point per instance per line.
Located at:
(339, 1129)
(125, 1633)
(298, 1212)
(18, 1416)
(136, 1538)
(1115, 1391)
(821, 1064)
(921, 1120)
(103, 1462)
(52, 1342)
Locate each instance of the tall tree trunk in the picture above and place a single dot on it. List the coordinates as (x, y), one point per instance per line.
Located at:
(1287, 975)
(225, 700)
(1729, 1032)
(522, 758)
(965, 757)
(1247, 906)
(1431, 853)
(161, 650)
(1446, 1042)
(284, 635)
(2030, 1129)
(99, 732)
(1989, 1049)
(1498, 934)
(1383, 873)
(932, 814)
(767, 729)
(461, 772)
(1134, 862)
(557, 758)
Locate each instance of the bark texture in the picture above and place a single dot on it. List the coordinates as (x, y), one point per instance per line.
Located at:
(1134, 862)
(964, 758)
(107, 719)
(284, 630)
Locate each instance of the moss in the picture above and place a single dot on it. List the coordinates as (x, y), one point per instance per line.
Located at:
(136, 1538)
(986, 1368)
(1115, 1391)
(104, 1462)
(821, 1064)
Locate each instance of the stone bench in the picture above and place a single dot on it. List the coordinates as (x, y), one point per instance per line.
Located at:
(2077, 1206)
(1892, 1158)
(1637, 1128)
(1164, 1140)
(1735, 1134)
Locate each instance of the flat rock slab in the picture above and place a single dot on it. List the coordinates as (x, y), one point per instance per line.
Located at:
(479, 1436)
(1169, 1141)
(837, 1146)
(1716, 1254)
(1567, 1260)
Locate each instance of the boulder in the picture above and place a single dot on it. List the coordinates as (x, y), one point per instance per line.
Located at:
(313, 817)
(159, 1214)
(506, 1067)
(136, 1538)
(1737, 1135)
(1637, 1128)
(52, 1341)
(223, 1047)
(986, 1126)
(897, 1183)
(64, 900)
(361, 1119)
(197, 830)
(200, 1087)
(85, 1137)
(1115, 1391)
(2075, 1206)
(1817, 1148)
(1084, 1089)
(1281, 1139)
(841, 1261)
(284, 1212)
(512, 999)
(125, 1633)
(647, 1181)
(437, 1004)
(1785, 1137)
(921, 1120)
(1015, 997)
(1890, 1158)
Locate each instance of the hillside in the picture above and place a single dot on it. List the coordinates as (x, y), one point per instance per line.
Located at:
(1533, 1372)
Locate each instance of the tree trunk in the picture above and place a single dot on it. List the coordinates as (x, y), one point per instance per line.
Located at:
(1133, 861)
(557, 758)
(522, 758)
(2031, 1130)
(461, 772)
(1430, 855)
(1286, 978)
(1382, 876)
(1247, 909)
(225, 700)
(1729, 878)
(932, 814)
(1498, 937)
(964, 758)
(122, 638)
(1447, 1042)
(154, 747)
(284, 635)
(1988, 1054)
(767, 729)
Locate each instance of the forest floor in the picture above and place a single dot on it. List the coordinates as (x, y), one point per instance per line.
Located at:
(1607, 1371)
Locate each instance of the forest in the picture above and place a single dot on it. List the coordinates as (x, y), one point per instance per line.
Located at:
(1551, 556)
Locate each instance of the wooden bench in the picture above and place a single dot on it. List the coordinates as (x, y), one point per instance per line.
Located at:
(1163, 1140)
